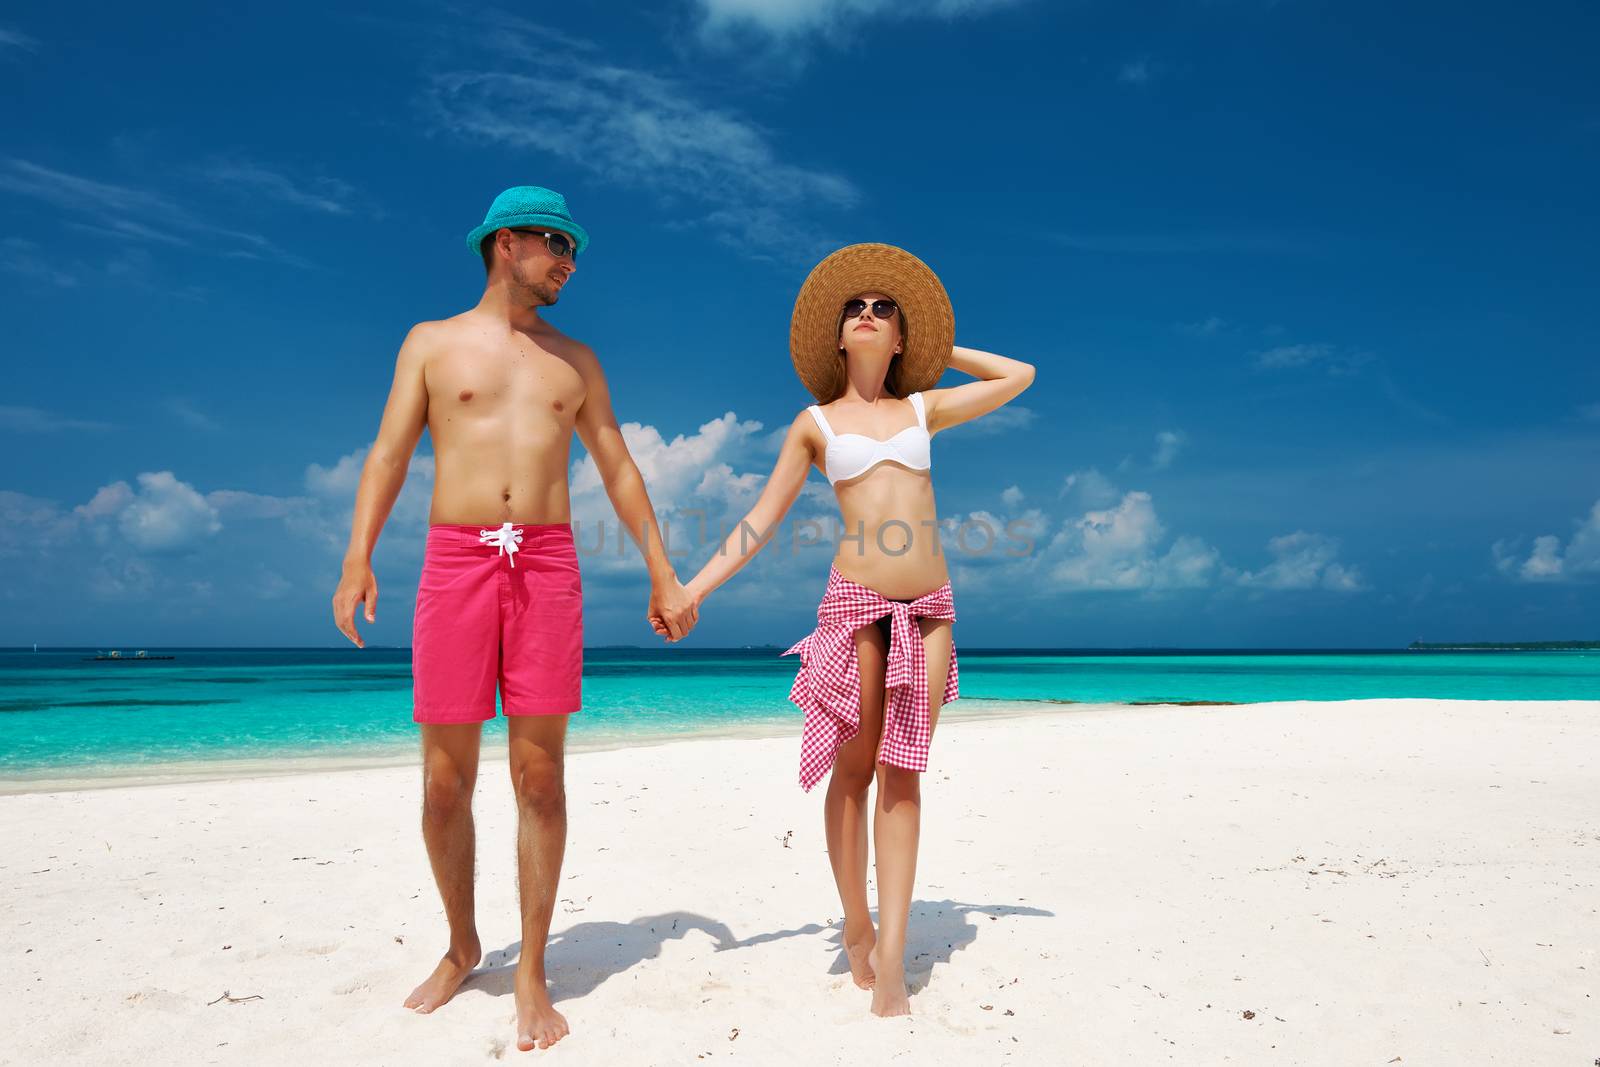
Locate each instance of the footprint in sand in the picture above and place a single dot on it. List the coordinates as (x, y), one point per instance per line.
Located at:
(157, 1000)
(355, 985)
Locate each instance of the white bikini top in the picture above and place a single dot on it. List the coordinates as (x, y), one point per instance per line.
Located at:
(850, 455)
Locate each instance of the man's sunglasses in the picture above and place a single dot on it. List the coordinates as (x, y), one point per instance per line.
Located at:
(559, 244)
(883, 309)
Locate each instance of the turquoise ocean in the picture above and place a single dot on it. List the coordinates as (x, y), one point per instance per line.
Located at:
(64, 715)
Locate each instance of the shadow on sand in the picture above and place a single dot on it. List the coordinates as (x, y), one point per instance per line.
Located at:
(937, 931)
(941, 928)
(581, 958)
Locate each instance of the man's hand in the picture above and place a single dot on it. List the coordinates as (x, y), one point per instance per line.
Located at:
(358, 585)
(672, 610)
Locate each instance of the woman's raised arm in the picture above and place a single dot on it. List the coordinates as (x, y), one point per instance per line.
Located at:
(999, 380)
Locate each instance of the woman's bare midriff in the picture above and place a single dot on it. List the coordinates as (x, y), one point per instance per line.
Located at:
(890, 540)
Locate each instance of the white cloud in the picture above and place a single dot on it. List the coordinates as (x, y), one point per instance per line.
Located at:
(36, 420)
(721, 172)
(1089, 488)
(281, 553)
(335, 487)
(1206, 327)
(1303, 560)
(983, 537)
(29, 524)
(1137, 72)
(1189, 564)
(23, 257)
(108, 500)
(137, 214)
(157, 539)
(670, 468)
(162, 515)
(191, 416)
(1117, 549)
(792, 18)
(339, 480)
(1339, 362)
(1331, 359)
(118, 578)
(17, 39)
(235, 503)
(326, 195)
(1168, 444)
(692, 485)
(1547, 561)
(1293, 355)
(1006, 419)
(738, 491)
(1583, 551)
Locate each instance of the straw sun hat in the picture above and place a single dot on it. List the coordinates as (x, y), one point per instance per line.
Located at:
(930, 324)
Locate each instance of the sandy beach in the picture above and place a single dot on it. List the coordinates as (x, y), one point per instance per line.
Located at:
(1369, 882)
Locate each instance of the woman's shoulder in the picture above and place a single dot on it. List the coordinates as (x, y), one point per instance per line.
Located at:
(805, 423)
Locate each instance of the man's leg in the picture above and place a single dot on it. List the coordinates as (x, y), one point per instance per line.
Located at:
(897, 831)
(449, 770)
(538, 745)
(844, 812)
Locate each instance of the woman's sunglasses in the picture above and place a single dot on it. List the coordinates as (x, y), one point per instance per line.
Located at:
(883, 309)
(559, 244)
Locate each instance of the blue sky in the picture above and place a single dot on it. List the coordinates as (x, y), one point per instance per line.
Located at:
(1310, 288)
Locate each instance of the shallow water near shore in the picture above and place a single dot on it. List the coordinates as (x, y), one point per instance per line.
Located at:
(65, 716)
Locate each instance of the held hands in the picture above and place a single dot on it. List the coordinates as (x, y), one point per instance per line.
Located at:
(357, 585)
(673, 610)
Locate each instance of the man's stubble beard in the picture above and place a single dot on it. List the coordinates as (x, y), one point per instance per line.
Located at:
(534, 294)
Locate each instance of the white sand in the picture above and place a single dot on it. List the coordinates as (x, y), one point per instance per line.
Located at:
(1394, 881)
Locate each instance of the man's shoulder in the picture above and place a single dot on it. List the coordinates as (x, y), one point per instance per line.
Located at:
(565, 341)
(431, 329)
(427, 338)
(427, 333)
(568, 347)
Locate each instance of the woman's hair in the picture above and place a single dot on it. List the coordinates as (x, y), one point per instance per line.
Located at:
(891, 377)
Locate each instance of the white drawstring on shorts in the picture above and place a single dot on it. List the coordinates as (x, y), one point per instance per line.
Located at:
(507, 538)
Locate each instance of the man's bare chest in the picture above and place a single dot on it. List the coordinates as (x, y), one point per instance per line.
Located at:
(525, 379)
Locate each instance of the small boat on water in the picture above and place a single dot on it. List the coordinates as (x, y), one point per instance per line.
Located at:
(117, 655)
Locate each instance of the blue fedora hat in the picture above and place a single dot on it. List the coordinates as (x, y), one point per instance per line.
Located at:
(524, 206)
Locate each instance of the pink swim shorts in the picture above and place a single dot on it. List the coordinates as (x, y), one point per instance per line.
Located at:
(500, 605)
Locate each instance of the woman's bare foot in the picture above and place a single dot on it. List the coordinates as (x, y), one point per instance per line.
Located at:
(446, 978)
(889, 990)
(856, 949)
(539, 1025)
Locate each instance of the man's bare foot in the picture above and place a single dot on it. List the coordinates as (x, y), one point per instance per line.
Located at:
(446, 978)
(539, 1025)
(856, 950)
(889, 990)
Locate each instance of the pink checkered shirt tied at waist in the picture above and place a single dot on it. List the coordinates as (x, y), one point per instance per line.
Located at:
(828, 686)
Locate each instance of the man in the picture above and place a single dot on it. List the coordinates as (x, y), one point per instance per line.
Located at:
(501, 392)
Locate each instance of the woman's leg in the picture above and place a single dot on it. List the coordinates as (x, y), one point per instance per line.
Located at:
(896, 831)
(844, 812)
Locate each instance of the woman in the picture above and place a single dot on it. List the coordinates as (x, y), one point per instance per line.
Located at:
(872, 333)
